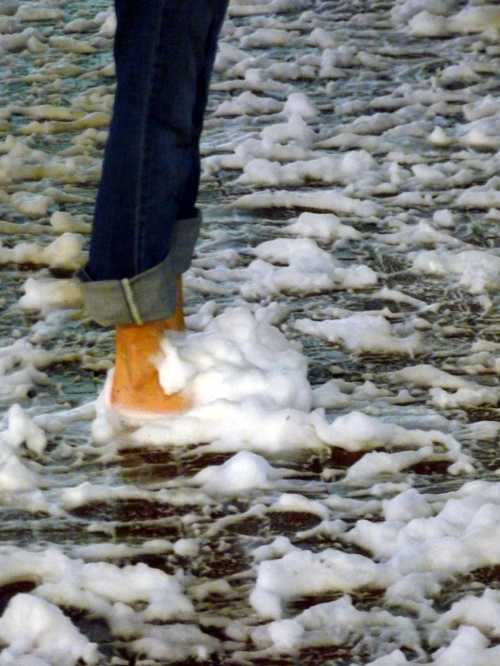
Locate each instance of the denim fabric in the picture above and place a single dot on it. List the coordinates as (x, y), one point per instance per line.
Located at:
(164, 53)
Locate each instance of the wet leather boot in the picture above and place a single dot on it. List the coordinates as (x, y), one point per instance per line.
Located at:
(136, 385)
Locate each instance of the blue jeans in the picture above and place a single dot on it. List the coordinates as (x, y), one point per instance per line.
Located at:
(146, 222)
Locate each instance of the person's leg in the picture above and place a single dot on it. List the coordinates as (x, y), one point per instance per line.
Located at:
(146, 222)
(145, 210)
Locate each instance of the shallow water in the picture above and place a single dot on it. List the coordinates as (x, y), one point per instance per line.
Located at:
(458, 319)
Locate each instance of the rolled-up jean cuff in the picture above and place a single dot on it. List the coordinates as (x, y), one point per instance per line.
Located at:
(148, 296)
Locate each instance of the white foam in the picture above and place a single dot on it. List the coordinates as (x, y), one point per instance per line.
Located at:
(64, 252)
(477, 270)
(308, 269)
(35, 627)
(46, 294)
(30, 12)
(299, 104)
(362, 332)
(330, 200)
(30, 204)
(22, 430)
(243, 472)
(250, 104)
(237, 358)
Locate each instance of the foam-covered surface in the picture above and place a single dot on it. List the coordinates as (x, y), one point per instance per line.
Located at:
(332, 495)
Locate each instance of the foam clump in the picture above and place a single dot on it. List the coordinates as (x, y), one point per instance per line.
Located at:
(236, 358)
(249, 8)
(404, 10)
(175, 642)
(31, 12)
(248, 103)
(415, 235)
(267, 37)
(419, 546)
(374, 464)
(326, 170)
(300, 104)
(482, 612)
(20, 365)
(15, 474)
(426, 375)
(249, 389)
(240, 371)
(333, 624)
(302, 268)
(243, 472)
(362, 332)
(322, 200)
(133, 600)
(64, 252)
(435, 19)
(469, 647)
(327, 228)
(31, 204)
(477, 270)
(304, 572)
(357, 431)
(22, 430)
(455, 539)
(35, 628)
(46, 294)
(99, 586)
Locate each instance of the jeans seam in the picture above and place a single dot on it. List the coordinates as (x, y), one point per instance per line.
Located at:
(130, 301)
(145, 152)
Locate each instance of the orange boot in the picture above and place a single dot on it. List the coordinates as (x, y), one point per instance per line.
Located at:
(136, 385)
